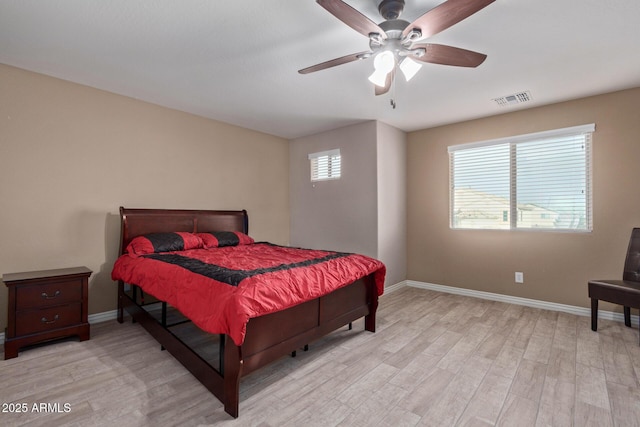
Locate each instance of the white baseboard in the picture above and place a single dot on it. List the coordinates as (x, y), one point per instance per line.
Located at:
(93, 318)
(392, 288)
(103, 317)
(545, 305)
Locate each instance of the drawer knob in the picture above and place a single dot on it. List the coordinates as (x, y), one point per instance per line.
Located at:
(44, 295)
(55, 318)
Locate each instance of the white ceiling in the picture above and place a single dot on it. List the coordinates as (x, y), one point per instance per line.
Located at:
(237, 61)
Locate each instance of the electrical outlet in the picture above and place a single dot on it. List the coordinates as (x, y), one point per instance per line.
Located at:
(519, 277)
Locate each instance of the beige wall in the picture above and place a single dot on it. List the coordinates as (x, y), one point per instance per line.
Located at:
(392, 201)
(336, 214)
(365, 210)
(71, 155)
(556, 266)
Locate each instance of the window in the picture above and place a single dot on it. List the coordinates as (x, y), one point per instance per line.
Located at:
(325, 165)
(534, 181)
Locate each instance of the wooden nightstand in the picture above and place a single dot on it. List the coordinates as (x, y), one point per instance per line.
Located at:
(45, 305)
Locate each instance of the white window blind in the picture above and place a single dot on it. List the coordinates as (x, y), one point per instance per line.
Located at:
(325, 165)
(534, 181)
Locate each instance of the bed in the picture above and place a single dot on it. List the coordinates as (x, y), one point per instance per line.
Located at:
(228, 349)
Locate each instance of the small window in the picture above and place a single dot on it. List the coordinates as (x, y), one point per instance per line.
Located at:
(534, 181)
(325, 165)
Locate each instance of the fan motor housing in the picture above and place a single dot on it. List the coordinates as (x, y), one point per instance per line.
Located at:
(394, 28)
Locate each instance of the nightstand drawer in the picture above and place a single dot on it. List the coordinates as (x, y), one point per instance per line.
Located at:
(48, 295)
(32, 321)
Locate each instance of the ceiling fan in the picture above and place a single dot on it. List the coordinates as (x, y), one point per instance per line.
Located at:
(394, 43)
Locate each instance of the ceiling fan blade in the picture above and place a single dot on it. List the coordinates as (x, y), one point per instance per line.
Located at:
(444, 16)
(338, 61)
(387, 83)
(352, 17)
(448, 55)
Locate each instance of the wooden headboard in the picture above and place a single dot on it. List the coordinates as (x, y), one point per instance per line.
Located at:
(135, 222)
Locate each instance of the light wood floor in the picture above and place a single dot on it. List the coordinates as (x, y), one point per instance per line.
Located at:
(436, 359)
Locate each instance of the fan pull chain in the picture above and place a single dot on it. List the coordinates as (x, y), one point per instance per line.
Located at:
(393, 94)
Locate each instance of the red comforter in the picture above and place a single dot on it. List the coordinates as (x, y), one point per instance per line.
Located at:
(220, 289)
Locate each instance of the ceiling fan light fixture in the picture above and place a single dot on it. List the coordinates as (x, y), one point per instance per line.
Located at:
(378, 78)
(409, 68)
(383, 63)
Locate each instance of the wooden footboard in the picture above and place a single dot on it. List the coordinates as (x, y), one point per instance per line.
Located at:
(268, 338)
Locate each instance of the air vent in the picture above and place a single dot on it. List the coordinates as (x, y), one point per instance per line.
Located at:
(516, 98)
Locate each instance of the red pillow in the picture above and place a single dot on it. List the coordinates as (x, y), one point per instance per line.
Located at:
(219, 239)
(164, 242)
